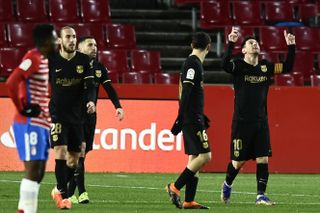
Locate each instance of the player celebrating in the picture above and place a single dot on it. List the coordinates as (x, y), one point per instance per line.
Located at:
(72, 96)
(191, 121)
(250, 137)
(28, 89)
(88, 45)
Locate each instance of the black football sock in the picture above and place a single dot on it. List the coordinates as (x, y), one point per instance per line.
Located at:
(80, 177)
(61, 177)
(191, 189)
(231, 174)
(262, 177)
(184, 178)
(72, 184)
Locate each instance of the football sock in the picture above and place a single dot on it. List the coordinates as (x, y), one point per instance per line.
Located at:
(28, 200)
(184, 178)
(262, 177)
(80, 177)
(60, 172)
(72, 184)
(191, 189)
(231, 174)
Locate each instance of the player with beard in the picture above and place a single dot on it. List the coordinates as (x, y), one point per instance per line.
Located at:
(88, 46)
(72, 97)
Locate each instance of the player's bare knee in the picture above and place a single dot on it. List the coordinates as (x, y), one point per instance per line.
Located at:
(60, 152)
(237, 164)
(206, 157)
(263, 160)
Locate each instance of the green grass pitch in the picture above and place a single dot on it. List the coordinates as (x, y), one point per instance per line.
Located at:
(110, 192)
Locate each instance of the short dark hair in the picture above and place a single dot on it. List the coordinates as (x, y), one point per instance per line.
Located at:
(41, 33)
(83, 38)
(246, 39)
(200, 40)
(63, 28)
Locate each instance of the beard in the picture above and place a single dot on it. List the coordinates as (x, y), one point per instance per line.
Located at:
(68, 49)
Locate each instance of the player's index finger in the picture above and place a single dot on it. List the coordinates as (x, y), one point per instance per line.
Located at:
(285, 33)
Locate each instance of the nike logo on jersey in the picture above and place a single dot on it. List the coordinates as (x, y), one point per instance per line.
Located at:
(58, 70)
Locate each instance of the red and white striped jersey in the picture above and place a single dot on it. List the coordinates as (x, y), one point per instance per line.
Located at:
(34, 90)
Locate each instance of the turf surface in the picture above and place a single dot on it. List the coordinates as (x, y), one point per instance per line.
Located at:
(145, 193)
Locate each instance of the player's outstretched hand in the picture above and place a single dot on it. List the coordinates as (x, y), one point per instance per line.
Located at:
(33, 110)
(177, 126)
(290, 38)
(234, 35)
(120, 114)
(91, 107)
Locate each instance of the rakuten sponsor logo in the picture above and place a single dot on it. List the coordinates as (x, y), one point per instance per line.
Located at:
(149, 139)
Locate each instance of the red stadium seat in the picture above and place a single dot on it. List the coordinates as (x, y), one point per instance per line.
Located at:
(243, 31)
(315, 80)
(307, 11)
(120, 36)
(3, 39)
(85, 29)
(278, 11)
(95, 11)
(186, 2)
(131, 78)
(31, 10)
(144, 60)
(247, 13)
(63, 11)
(270, 56)
(114, 77)
(305, 38)
(304, 63)
(298, 78)
(271, 38)
(6, 11)
(215, 14)
(165, 78)
(20, 34)
(10, 59)
(284, 80)
(146, 77)
(114, 60)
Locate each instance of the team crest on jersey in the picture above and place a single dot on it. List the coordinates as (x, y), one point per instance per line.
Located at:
(264, 68)
(98, 73)
(79, 69)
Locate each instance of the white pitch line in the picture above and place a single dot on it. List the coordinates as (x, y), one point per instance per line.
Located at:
(154, 188)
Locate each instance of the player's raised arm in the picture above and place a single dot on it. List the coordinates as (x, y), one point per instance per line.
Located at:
(227, 65)
(288, 64)
(90, 90)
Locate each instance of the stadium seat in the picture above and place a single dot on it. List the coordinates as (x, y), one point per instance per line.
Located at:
(120, 36)
(315, 80)
(146, 77)
(284, 80)
(3, 39)
(306, 11)
(165, 78)
(187, 2)
(114, 77)
(271, 38)
(131, 78)
(95, 11)
(304, 63)
(305, 37)
(83, 29)
(247, 13)
(63, 11)
(215, 14)
(31, 10)
(19, 34)
(243, 31)
(144, 60)
(114, 60)
(278, 11)
(298, 78)
(6, 11)
(10, 59)
(270, 56)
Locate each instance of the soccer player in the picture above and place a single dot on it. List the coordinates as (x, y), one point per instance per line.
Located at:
(72, 96)
(28, 89)
(250, 137)
(88, 45)
(193, 124)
